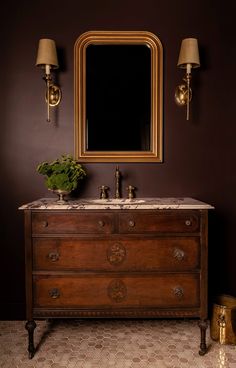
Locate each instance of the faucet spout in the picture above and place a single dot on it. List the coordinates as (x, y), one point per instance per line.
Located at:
(117, 184)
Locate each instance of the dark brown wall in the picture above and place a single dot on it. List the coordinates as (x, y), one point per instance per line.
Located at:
(199, 155)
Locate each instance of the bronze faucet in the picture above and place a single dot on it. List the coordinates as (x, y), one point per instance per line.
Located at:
(104, 188)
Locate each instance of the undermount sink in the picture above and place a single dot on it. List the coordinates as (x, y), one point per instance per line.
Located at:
(106, 201)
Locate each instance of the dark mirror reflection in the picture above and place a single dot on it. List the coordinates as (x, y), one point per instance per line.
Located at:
(118, 97)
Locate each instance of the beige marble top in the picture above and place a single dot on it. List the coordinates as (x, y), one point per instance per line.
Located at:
(116, 204)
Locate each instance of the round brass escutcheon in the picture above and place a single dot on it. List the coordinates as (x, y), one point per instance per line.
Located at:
(101, 223)
(178, 254)
(53, 256)
(117, 291)
(178, 292)
(54, 293)
(188, 222)
(116, 253)
(131, 223)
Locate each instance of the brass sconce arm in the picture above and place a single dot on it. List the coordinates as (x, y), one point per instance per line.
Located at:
(47, 59)
(188, 59)
(52, 95)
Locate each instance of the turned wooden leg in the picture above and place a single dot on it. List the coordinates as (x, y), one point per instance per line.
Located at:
(30, 327)
(203, 326)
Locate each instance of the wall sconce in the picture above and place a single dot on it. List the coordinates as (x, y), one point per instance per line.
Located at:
(188, 59)
(47, 59)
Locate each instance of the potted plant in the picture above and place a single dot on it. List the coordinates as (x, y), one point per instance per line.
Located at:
(62, 175)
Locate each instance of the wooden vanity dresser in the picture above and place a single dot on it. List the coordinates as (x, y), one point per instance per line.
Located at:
(130, 259)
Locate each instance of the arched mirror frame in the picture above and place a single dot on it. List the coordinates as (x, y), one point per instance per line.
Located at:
(156, 129)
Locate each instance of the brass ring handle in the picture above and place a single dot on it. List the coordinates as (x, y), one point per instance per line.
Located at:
(101, 223)
(54, 293)
(131, 223)
(53, 256)
(188, 222)
(45, 224)
(178, 254)
(178, 292)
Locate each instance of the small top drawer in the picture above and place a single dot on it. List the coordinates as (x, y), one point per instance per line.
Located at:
(166, 221)
(72, 223)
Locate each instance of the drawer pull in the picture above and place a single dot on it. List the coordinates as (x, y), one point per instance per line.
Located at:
(45, 224)
(178, 254)
(131, 223)
(178, 292)
(53, 256)
(116, 253)
(101, 223)
(54, 293)
(188, 222)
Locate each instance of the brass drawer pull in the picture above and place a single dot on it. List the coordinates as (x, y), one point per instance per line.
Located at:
(178, 254)
(131, 223)
(101, 223)
(45, 224)
(53, 256)
(54, 293)
(178, 292)
(188, 222)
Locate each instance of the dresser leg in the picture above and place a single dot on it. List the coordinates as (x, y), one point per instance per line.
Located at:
(30, 327)
(203, 327)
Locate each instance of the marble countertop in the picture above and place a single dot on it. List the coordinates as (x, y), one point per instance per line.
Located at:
(116, 204)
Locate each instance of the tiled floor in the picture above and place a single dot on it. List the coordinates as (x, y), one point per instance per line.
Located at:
(112, 343)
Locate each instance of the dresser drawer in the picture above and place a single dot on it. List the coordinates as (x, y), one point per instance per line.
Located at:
(96, 291)
(161, 221)
(173, 254)
(69, 223)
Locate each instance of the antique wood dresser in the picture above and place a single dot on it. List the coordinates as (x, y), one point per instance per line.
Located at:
(132, 258)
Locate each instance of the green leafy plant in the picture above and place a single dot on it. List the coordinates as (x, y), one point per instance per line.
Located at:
(63, 173)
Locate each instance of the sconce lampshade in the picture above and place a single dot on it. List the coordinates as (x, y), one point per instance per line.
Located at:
(47, 54)
(189, 53)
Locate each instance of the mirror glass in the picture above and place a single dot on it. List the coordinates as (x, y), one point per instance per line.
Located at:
(118, 97)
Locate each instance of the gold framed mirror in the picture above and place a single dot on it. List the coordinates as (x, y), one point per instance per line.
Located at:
(118, 97)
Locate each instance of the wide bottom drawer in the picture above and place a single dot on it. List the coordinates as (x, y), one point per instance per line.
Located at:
(96, 291)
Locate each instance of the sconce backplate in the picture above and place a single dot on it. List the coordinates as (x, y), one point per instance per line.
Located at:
(181, 95)
(54, 95)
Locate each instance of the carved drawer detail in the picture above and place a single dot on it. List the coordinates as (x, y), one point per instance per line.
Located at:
(116, 253)
(117, 291)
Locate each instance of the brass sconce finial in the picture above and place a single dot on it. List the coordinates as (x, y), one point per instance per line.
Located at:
(188, 59)
(47, 59)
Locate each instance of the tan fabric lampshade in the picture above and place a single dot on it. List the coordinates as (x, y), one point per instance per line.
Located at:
(47, 54)
(189, 53)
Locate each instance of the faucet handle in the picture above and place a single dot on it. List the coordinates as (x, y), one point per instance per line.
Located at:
(103, 191)
(130, 190)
